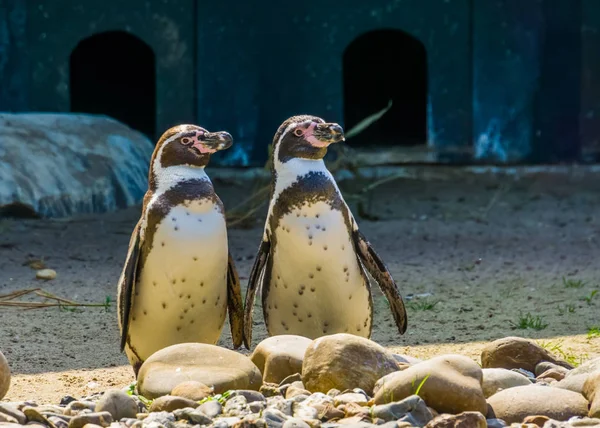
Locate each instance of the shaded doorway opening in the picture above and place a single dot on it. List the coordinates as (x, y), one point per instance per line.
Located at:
(113, 73)
(380, 66)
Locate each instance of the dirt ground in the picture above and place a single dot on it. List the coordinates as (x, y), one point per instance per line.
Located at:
(488, 251)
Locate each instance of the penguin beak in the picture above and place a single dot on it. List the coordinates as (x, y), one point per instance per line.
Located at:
(329, 133)
(218, 140)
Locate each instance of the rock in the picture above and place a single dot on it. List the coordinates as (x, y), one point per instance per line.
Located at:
(496, 423)
(546, 365)
(216, 367)
(295, 423)
(517, 353)
(158, 419)
(575, 379)
(294, 391)
(345, 361)
(585, 422)
(46, 274)
(211, 408)
(4, 376)
(76, 407)
(270, 389)
(552, 375)
(296, 377)
(351, 397)
(8, 419)
(326, 412)
(169, 403)
(103, 419)
(278, 357)
(591, 391)
(194, 416)
(406, 359)
(495, 380)
(515, 404)
(250, 396)
(84, 164)
(274, 418)
(281, 404)
(237, 406)
(412, 409)
(58, 422)
(462, 420)
(450, 384)
(14, 412)
(192, 390)
(118, 404)
(537, 420)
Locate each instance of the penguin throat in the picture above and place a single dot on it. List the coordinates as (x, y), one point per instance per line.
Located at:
(168, 177)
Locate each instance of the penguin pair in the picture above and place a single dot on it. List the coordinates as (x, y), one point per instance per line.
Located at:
(179, 279)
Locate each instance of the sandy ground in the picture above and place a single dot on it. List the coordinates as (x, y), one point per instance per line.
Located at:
(488, 251)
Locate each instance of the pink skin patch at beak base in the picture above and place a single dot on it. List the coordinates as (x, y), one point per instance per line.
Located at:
(197, 143)
(308, 136)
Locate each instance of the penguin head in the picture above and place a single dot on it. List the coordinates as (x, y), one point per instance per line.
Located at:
(305, 137)
(189, 145)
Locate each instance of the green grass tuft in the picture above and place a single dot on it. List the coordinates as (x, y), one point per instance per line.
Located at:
(593, 332)
(422, 305)
(529, 321)
(573, 283)
(590, 298)
(566, 309)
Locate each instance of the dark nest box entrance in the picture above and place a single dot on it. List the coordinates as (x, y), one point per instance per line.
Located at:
(113, 73)
(380, 66)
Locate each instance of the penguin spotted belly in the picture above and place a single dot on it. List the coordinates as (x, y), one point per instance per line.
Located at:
(317, 286)
(181, 295)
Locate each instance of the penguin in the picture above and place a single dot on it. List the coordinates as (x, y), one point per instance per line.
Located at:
(179, 279)
(311, 263)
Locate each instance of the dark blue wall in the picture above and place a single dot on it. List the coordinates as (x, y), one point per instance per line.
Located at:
(14, 70)
(269, 61)
(508, 80)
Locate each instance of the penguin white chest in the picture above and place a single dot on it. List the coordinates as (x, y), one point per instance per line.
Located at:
(181, 294)
(317, 286)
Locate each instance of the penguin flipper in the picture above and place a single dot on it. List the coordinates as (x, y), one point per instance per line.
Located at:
(382, 275)
(235, 305)
(127, 284)
(253, 285)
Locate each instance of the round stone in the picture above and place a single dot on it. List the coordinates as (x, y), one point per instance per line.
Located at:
(4, 376)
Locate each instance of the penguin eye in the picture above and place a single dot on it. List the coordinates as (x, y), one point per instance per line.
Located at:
(185, 141)
(298, 132)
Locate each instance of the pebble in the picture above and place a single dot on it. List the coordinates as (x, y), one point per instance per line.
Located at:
(192, 390)
(118, 403)
(4, 376)
(552, 375)
(219, 368)
(169, 403)
(195, 416)
(76, 407)
(295, 423)
(46, 274)
(515, 404)
(449, 384)
(211, 408)
(591, 391)
(412, 409)
(495, 380)
(103, 419)
(345, 361)
(278, 357)
(517, 353)
(462, 420)
(351, 397)
(546, 365)
(14, 412)
(575, 379)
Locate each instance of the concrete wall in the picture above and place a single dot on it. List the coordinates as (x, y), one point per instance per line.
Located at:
(514, 81)
(168, 26)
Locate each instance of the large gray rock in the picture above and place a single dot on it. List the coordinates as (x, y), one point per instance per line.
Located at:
(56, 165)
